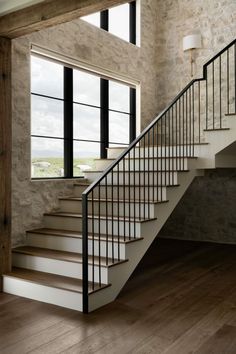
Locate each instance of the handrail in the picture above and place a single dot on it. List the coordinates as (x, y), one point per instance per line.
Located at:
(217, 55)
(134, 142)
(174, 131)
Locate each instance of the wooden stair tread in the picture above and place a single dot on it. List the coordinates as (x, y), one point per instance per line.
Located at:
(52, 280)
(78, 199)
(138, 171)
(67, 233)
(62, 255)
(215, 129)
(128, 185)
(102, 217)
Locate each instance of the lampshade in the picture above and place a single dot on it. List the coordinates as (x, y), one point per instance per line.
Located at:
(191, 42)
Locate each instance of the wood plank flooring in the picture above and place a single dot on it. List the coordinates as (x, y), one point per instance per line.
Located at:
(180, 300)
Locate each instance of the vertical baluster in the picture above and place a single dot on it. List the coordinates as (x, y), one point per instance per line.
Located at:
(157, 162)
(164, 171)
(176, 135)
(139, 177)
(172, 138)
(144, 179)
(134, 196)
(193, 141)
(190, 121)
(184, 127)
(148, 141)
(171, 171)
(85, 253)
(99, 233)
(227, 81)
(107, 231)
(187, 118)
(162, 160)
(235, 78)
(213, 94)
(93, 250)
(220, 98)
(206, 101)
(129, 197)
(153, 159)
(124, 196)
(118, 210)
(199, 111)
(112, 215)
(179, 133)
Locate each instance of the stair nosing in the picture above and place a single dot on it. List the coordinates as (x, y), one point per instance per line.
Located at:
(40, 254)
(96, 236)
(12, 275)
(109, 200)
(141, 171)
(103, 217)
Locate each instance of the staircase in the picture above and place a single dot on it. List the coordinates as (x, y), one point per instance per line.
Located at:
(88, 249)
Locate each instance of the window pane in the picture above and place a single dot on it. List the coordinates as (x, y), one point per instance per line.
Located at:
(119, 98)
(119, 21)
(86, 88)
(46, 117)
(86, 122)
(46, 77)
(47, 158)
(84, 155)
(94, 19)
(118, 128)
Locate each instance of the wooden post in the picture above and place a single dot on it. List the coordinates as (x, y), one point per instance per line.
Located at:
(5, 156)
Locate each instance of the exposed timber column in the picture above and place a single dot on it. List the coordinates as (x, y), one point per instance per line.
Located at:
(5, 156)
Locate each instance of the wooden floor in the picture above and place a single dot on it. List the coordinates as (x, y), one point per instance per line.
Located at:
(181, 299)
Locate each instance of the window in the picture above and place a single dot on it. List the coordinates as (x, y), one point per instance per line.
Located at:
(75, 117)
(119, 20)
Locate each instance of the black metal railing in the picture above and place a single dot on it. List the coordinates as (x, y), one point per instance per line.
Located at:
(118, 201)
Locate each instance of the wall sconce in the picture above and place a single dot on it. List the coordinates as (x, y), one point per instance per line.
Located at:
(190, 43)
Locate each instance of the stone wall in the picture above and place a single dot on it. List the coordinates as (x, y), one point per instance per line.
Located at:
(213, 19)
(207, 210)
(163, 70)
(83, 41)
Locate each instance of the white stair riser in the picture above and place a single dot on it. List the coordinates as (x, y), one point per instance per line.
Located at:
(50, 295)
(70, 244)
(125, 209)
(75, 224)
(177, 163)
(139, 178)
(155, 193)
(160, 152)
(155, 164)
(55, 266)
(101, 165)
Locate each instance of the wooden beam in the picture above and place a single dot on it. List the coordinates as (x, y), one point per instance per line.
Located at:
(50, 13)
(5, 156)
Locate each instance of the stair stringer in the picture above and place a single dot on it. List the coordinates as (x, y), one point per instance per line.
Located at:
(217, 141)
(149, 231)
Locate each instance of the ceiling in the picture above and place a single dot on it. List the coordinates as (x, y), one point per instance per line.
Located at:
(7, 6)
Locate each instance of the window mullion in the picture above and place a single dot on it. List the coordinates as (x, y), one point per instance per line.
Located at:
(105, 20)
(104, 122)
(132, 22)
(68, 122)
(132, 126)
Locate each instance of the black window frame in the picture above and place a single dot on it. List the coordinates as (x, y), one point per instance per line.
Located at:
(68, 137)
(104, 21)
